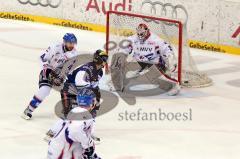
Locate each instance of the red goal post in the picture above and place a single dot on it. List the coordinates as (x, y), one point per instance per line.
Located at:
(120, 25)
(180, 31)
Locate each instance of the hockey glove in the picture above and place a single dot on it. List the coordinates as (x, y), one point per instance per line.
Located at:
(90, 154)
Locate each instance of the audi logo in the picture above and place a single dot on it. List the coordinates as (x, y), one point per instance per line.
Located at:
(165, 9)
(43, 3)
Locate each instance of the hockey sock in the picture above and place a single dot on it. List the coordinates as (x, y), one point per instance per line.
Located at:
(34, 103)
(42, 93)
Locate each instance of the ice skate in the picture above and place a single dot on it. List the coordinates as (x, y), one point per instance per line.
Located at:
(27, 114)
(175, 90)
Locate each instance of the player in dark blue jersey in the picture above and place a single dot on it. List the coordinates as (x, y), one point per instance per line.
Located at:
(88, 76)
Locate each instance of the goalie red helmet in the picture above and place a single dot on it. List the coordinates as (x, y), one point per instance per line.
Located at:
(143, 31)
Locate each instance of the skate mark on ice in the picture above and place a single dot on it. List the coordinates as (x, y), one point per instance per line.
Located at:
(234, 83)
(220, 71)
(21, 30)
(20, 45)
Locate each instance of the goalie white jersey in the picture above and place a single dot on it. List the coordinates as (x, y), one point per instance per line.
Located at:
(56, 55)
(150, 50)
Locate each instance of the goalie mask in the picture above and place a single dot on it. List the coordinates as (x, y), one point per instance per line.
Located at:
(143, 31)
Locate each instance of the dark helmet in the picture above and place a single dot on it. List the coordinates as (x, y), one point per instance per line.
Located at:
(100, 57)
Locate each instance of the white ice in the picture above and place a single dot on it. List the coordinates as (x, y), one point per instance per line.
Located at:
(213, 133)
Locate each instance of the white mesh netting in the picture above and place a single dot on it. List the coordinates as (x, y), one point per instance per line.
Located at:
(122, 25)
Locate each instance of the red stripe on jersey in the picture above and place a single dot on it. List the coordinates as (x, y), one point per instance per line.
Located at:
(70, 146)
(73, 156)
(61, 155)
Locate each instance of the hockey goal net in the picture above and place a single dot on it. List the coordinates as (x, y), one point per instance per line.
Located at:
(121, 25)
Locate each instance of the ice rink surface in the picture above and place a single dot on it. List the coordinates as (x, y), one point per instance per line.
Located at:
(213, 132)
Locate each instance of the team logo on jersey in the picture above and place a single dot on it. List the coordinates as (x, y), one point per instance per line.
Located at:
(145, 49)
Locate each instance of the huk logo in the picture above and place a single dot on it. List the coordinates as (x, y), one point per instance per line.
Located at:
(125, 5)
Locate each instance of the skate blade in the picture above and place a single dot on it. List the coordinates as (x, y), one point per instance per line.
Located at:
(25, 117)
(173, 92)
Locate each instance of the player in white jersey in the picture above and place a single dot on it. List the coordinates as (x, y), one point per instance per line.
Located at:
(149, 49)
(51, 59)
(74, 139)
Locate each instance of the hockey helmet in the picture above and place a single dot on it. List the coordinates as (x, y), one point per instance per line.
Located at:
(70, 38)
(100, 57)
(86, 98)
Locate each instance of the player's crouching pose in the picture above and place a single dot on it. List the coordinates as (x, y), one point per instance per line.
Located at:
(51, 59)
(148, 49)
(87, 76)
(74, 139)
